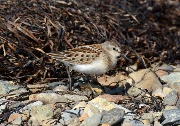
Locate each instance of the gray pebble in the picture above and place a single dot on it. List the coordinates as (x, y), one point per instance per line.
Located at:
(171, 98)
(3, 104)
(75, 97)
(133, 123)
(92, 121)
(148, 116)
(134, 91)
(171, 117)
(112, 116)
(54, 84)
(7, 87)
(165, 67)
(61, 88)
(173, 77)
(69, 118)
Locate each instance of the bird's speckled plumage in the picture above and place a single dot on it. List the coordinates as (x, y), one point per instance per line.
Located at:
(90, 59)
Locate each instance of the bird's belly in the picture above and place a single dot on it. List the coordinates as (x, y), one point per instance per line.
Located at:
(92, 69)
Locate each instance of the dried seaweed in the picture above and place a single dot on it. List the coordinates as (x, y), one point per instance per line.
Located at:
(31, 28)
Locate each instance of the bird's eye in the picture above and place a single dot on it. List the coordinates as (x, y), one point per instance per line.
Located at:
(114, 48)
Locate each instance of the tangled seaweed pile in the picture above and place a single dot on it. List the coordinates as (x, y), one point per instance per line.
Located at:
(31, 28)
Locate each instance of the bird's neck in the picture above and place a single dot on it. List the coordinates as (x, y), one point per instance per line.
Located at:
(111, 59)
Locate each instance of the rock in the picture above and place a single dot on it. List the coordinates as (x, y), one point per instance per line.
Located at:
(146, 122)
(74, 122)
(171, 98)
(36, 88)
(34, 122)
(112, 80)
(145, 79)
(105, 124)
(97, 105)
(158, 93)
(103, 104)
(178, 103)
(97, 90)
(166, 90)
(83, 117)
(49, 122)
(61, 88)
(171, 117)
(42, 112)
(176, 86)
(170, 107)
(135, 92)
(89, 111)
(156, 123)
(3, 104)
(75, 98)
(16, 104)
(88, 89)
(48, 98)
(92, 121)
(69, 117)
(17, 121)
(132, 123)
(27, 108)
(16, 118)
(112, 116)
(132, 68)
(160, 73)
(58, 124)
(75, 111)
(157, 116)
(56, 84)
(41, 115)
(57, 112)
(163, 70)
(80, 105)
(172, 77)
(177, 68)
(148, 116)
(113, 98)
(165, 67)
(8, 87)
(35, 103)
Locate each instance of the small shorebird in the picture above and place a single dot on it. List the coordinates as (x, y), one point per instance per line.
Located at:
(95, 59)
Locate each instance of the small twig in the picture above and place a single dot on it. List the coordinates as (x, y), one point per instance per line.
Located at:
(69, 76)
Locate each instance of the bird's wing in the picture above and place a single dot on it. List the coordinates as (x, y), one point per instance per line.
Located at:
(80, 55)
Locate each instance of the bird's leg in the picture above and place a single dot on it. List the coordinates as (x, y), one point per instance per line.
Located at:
(89, 83)
(69, 76)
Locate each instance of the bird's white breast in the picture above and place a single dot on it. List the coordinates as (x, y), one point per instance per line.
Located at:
(97, 67)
